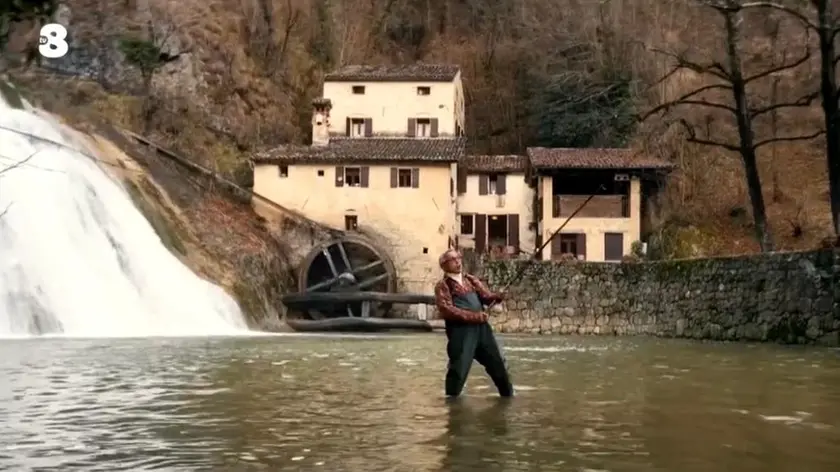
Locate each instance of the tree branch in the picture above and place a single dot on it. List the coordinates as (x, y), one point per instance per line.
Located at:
(692, 138)
(13, 166)
(686, 100)
(790, 11)
(18, 163)
(713, 68)
(805, 137)
(779, 68)
(805, 101)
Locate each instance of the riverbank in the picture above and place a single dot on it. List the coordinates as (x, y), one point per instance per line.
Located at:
(782, 297)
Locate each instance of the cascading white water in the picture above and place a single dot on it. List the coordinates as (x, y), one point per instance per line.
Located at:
(77, 258)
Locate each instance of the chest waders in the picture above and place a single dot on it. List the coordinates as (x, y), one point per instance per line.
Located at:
(468, 342)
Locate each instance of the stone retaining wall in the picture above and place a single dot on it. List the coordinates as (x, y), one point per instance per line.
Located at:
(782, 297)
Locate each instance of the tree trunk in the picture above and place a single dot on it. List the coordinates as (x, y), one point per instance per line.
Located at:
(745, 132)
(828, 86)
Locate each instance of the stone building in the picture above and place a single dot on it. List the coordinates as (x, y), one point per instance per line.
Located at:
(387, 163)
(606, 227)
(382, 162)
(495, 202)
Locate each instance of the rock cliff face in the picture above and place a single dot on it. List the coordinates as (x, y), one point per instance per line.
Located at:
(783, 297)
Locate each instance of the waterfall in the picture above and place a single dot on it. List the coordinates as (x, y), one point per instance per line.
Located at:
(77, 258)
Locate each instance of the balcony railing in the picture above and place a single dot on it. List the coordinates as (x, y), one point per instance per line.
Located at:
(601, 206)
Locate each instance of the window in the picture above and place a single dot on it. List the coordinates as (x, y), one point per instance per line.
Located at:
(357, 127)
(492, 181)
(352, 177)
(492, 184)
(358, 90)
(404, 178)
(351, 222)
(467, 224)
(283, 171)
(568, 244)
(320, 172)
(424, 127)
(424, 90)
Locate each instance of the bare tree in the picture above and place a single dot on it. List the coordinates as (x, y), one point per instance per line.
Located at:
(827, 27)
(264, 24)
(729, 77)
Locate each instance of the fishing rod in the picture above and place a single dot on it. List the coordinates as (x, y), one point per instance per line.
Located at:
(521, 271)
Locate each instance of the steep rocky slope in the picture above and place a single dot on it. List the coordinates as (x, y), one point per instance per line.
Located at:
(210, 226)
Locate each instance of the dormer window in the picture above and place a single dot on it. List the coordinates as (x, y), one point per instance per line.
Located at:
(424, 91)
(358, 90)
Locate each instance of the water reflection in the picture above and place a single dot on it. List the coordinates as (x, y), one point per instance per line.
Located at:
(376, 404)
(475, 437)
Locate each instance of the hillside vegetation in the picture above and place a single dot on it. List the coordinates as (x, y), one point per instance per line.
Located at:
(218, 79)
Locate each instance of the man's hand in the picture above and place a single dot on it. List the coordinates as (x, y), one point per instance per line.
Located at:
(479, 317)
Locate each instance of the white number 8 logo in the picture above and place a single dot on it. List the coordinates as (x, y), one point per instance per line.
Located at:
(53, 41)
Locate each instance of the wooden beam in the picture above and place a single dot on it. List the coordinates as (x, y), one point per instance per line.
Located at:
(350, 297)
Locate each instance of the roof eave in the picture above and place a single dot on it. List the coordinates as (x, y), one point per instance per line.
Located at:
(354, 160)
(666, 168)
(385, 79)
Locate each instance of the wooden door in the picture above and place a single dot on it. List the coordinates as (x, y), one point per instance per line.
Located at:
(613, 246)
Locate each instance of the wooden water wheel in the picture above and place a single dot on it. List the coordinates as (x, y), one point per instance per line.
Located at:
(349, 264)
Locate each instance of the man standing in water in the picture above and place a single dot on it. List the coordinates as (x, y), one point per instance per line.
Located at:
(460, 299)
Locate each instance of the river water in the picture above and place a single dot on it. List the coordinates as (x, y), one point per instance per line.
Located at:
(376, 404)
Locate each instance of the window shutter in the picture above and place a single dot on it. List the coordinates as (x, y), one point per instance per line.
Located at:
(581, 244)
(480, 231)
(364, 177)
(339, 176)
(394, 177)
(415, 177)
(462, 181)
(412, 128)
(347, 126)
(513, 231)
(555, 206)
(368, 127)
(501, 184)
(434, 128)
(483, 184)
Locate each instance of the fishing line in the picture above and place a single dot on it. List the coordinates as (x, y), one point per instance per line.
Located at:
(521, 271)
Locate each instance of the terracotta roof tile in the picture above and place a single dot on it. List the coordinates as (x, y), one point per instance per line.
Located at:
(503, 163)
(593, 158)
(398, 73)
(369, 149)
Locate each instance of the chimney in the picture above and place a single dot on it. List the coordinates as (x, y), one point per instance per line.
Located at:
(321, 121)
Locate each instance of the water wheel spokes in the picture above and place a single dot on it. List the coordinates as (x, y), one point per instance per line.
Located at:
(346, 265)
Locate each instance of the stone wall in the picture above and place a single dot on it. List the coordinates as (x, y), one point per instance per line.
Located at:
(782, 297)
